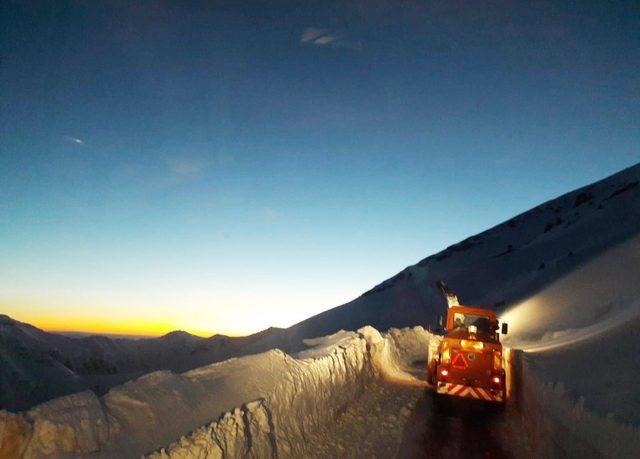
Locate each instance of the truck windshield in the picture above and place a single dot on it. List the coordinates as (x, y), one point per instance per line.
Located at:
(461, 323)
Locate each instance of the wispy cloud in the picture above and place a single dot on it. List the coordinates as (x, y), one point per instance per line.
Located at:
(74, 140)
(310, 34)
(324, 37)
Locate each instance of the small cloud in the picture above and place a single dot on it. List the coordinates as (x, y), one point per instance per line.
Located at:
(310, 34)
(74, 140)
(324, 37)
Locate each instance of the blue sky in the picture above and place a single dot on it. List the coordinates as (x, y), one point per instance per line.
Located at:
(226, 166)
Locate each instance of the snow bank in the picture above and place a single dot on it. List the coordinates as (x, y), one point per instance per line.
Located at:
(555, 423)
(322, 383)
(247, 431)
(256, 406)
(393, 354)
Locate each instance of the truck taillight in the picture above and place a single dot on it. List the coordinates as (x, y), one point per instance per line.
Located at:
(496, 380)
(444, 372)
(497, 361)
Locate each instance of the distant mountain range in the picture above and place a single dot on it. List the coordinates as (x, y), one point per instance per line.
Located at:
(496, 268)
(36, 366)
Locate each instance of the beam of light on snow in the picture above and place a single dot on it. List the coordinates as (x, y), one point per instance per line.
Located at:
(573, 336)
(600, 295)
(529, 314)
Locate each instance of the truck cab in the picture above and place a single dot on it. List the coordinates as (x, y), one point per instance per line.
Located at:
(469, 360)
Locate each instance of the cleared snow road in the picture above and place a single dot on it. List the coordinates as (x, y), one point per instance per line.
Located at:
(395, 420)
(461, 428)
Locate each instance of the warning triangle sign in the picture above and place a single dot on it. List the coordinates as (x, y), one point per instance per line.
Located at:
(459, 362)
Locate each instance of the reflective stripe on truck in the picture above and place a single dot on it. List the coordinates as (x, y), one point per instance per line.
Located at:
(460, 390)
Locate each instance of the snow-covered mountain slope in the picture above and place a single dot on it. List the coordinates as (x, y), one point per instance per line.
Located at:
(503, 265)
(36, 366)
(264, 405)
(500, 268)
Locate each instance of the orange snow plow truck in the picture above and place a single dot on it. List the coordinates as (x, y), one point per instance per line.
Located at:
(468, 362)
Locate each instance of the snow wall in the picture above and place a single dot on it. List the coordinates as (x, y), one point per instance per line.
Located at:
(548, 422)
(261, 405)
